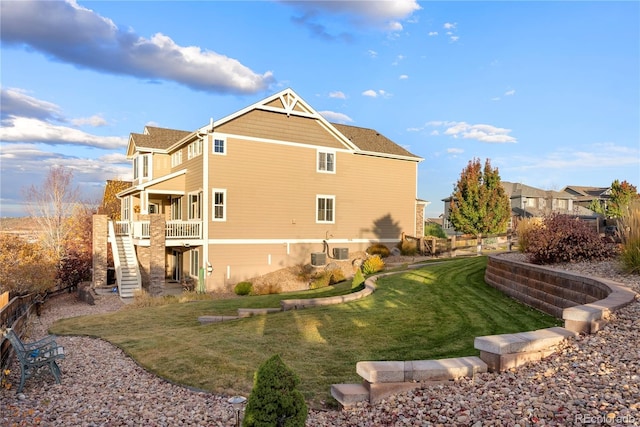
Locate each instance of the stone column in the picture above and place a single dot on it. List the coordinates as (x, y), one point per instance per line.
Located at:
(100, 234)
(157, 256)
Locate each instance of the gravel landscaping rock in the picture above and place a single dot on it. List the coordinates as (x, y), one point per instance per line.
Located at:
(593, 380)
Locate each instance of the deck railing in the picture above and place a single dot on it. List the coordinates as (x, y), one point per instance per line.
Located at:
(175, 229)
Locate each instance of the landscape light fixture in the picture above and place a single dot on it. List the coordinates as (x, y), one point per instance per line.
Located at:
(237, 402)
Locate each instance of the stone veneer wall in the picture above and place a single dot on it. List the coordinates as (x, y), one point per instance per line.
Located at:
(100, 250)
(543, 288)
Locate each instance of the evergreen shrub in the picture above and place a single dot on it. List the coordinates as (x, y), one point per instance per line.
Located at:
(275, 400)
(243, 288)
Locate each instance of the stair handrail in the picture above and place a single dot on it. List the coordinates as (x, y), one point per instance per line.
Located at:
(116, 254)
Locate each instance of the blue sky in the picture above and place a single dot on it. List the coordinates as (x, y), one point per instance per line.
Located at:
(548, 91)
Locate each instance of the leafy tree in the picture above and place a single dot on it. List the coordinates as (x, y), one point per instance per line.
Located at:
(275, 401)
(24, 266)
(597, 207)
(479, 204)
(110, 205)
(435, 230)
(622, 193)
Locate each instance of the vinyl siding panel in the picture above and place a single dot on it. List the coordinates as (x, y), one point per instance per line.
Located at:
(272, 188)
(280, 127)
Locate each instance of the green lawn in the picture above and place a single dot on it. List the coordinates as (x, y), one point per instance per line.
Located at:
(430, 313)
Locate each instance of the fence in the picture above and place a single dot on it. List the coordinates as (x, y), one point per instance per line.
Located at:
(15, 315)
(456, 245)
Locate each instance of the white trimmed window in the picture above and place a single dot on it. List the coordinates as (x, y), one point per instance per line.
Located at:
(195, 205)
(220, 146)
(126, 208)
(326, 161)
(176, 208)
(194, 267)
(176, 158)
(142, 166)
(194, 149)
(325, 209)
(219, 197)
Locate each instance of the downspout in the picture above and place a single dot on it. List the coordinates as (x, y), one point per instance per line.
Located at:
(205, 202)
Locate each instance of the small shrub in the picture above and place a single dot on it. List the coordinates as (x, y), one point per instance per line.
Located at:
(435, 230)
(378, 249)
(321, 280)
(358, 279)
(629, 230)
(526, 228)
(142, 299)
(243, 288)
(275, 399)
(337, 276)
(408, 247)
(564, 238)
(327, 278)
(373, 264)
(266, 288)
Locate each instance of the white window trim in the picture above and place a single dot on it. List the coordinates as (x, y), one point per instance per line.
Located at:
(213, 204)
(194, 260)
(324, 151)
(176, 158)
(213, 145)
(325, 196)
(189, 196)
(194, 149)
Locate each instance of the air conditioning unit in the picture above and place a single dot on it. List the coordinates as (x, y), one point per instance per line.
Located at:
(318, 258)
(341, 253)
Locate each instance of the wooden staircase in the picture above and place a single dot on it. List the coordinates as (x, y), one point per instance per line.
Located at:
(126, 264)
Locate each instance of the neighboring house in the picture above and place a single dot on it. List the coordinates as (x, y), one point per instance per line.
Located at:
(270, 186)
(532, 202)
(584, 196)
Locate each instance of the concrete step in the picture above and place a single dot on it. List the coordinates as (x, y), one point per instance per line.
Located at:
(420, 370)
(349, 394)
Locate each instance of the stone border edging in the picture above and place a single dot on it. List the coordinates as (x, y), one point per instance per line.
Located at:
(583, 302)
(505, 351)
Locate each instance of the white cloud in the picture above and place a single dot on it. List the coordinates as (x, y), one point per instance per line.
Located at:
(496, 98)
(384, 15)
(510, 92)
(479, 132)
(455, 150)
(16, 102)
(370, 93)
(73, 34)
(403, 77)
(454, 39)
(94, 121)
(26, 119)
(433, 33)
(337, 94)
(23, 129)
(372, 53)
(332, 116)
(591, 157)
(450, 25)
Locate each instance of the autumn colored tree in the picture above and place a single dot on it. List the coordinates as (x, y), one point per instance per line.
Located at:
(50, 205)
(110, 203)
(479, 204)
(75, 265)
(24, 266)
(622, 194)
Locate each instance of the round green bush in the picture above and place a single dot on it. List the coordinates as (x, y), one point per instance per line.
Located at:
(275, 400)
(243, 288)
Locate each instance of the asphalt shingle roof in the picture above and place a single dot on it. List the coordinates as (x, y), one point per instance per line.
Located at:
(371, 140)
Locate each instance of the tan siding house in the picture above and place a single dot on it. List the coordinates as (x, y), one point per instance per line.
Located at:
(264, 188)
